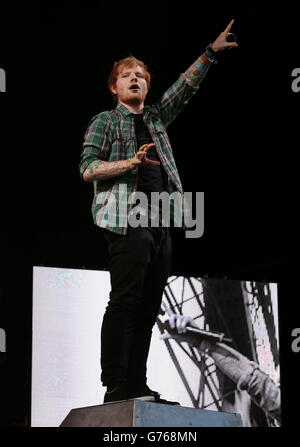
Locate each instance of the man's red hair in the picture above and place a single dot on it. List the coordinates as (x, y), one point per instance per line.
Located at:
(126, 62)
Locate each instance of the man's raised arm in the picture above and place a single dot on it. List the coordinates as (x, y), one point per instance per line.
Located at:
(178, 95)
(195, 73)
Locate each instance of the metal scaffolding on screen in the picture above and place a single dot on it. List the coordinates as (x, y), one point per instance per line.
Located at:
(213, 309)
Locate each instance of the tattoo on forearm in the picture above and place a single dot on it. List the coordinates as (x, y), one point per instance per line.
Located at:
(108, 168)
(95, 165)
(196, 72)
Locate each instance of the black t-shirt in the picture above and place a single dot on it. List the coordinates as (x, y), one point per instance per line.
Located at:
(150, 178)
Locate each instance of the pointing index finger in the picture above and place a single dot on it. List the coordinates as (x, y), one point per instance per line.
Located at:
(227, 29)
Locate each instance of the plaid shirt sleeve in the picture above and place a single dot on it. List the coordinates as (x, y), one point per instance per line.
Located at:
(178, 95)
(97, 141)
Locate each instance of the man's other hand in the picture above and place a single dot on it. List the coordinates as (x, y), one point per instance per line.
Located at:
(141, 156)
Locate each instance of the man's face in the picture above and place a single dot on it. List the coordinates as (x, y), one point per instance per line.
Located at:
(131, 85)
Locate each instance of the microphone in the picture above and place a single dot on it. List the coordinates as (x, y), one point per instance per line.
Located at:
(196, 336)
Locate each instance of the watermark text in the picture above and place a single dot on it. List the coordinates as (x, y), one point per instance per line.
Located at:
(296, 341)
(2, 340)
(138, 209)
(296, 82)
(2, 80)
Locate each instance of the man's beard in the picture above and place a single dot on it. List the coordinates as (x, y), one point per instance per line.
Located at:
(136, 100)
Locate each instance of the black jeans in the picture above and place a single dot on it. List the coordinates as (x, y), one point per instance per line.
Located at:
(139, 265)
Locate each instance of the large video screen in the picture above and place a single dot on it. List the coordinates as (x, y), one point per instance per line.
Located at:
(236, 369)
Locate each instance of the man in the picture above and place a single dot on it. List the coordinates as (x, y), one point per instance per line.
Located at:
(247, 374)
(127, 150)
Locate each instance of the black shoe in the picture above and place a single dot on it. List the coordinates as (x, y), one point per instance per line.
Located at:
(117, 394)
(148, 395)
(141, 393)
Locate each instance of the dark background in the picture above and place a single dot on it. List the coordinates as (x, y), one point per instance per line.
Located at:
(236, 141)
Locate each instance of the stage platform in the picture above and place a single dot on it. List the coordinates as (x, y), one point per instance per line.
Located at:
(135, 413)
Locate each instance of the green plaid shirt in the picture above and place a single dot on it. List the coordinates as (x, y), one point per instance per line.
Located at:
(110, 136)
